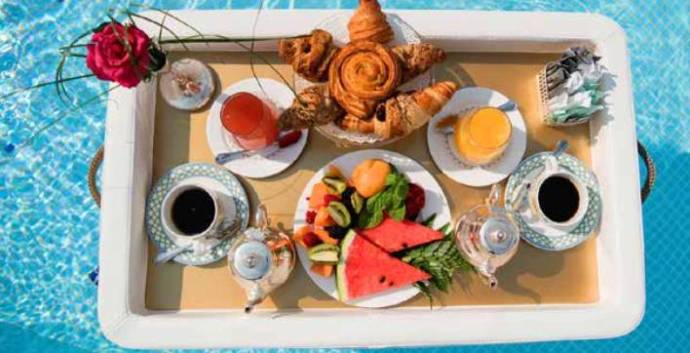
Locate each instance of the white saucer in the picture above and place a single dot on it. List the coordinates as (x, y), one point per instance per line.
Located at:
(442, 148)
(258, 165)
(212, 177)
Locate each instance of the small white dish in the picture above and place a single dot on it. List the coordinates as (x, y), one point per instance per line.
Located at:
(436, 202)
(194, 70)
(260, 165)
(442, 147)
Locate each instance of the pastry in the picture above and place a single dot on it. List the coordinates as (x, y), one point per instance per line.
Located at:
(369, 23)
(390, 116)
(309, 56)
(417, 58)
(353, 123)
(404, 113)
(362, 74)
(313, 106)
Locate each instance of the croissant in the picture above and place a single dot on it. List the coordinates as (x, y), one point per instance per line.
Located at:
(312, 107)
(309, 56)
(361, 74)
(353, 123)
(417, 58)
(404, 113)
(432, 99)
(369, 23)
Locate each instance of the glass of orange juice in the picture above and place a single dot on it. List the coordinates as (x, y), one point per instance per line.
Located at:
(251, 120)
(482, 135)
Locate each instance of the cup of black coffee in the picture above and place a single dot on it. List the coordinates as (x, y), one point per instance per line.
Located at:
(560, 199)
(191, 211)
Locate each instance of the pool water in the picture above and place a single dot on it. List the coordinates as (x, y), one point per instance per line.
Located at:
(48, 223)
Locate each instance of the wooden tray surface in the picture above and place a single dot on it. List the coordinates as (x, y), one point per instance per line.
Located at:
(532, 277)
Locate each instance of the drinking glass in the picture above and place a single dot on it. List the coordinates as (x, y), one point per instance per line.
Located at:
(252, 120)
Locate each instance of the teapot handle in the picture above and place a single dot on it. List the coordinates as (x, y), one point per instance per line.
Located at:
(494, 195)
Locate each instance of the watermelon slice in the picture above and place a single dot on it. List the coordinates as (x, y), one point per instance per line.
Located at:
(365, 269)
(393, 236)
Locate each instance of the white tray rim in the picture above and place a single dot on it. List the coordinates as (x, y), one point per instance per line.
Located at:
(127, 179)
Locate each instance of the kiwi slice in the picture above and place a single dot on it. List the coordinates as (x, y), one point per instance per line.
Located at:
(339, 213)
(357, 202)
(335, 185)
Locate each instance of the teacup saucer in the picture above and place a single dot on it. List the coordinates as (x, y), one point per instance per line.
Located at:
(442, 147)
(236, 206)
(260, 165)
(539, 233)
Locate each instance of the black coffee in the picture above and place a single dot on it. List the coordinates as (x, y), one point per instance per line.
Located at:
(558, 199)
(193, 211)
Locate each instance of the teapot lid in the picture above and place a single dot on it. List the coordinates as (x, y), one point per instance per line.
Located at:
(498, 235)
(252, 260)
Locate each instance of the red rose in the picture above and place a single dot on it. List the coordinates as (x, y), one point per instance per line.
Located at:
(109, 58)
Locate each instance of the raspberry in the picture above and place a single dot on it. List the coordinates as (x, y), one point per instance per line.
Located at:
(414, 202)
(310, 216)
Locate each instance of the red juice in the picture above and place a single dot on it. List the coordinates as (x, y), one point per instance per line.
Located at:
(252, 121)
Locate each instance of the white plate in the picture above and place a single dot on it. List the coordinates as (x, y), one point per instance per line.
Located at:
(336, 25)
(436, 202)
(442, 148)
(258, 165)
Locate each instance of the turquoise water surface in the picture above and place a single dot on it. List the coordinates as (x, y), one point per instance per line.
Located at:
(48, 223)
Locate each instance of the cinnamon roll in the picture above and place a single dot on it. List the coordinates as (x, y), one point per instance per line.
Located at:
(362, 74)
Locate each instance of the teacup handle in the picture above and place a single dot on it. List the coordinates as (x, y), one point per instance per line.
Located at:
(551, 163)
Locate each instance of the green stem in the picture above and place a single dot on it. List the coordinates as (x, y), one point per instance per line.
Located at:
(63, 116)
(195, 39)
(157, 23)
(42, 84)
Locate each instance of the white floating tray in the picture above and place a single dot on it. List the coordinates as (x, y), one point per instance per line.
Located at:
(127, 179)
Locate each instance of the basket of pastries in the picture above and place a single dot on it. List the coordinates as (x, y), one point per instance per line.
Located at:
(371, 91)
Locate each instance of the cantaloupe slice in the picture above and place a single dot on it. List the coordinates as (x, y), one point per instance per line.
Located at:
(325, 237)
(324, 270)
(323, 218)
(317, 199)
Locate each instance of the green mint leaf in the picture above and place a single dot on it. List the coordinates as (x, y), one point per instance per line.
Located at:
(429, 222)
(397, 213)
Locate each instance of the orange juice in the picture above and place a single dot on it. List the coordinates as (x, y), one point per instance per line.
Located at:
(482, 135)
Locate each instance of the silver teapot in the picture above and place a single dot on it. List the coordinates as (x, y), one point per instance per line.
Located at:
(261, 259)
(487, 236)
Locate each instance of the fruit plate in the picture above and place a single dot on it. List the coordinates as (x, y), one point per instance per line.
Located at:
(436, 203)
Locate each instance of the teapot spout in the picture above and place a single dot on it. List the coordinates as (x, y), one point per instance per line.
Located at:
(488, 275)
(254, 297)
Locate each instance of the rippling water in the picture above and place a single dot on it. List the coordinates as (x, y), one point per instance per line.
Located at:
(48, 223)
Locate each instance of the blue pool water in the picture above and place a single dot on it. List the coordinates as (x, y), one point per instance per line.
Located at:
(48, 223)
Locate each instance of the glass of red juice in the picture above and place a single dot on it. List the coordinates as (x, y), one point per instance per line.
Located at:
(251, 120)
